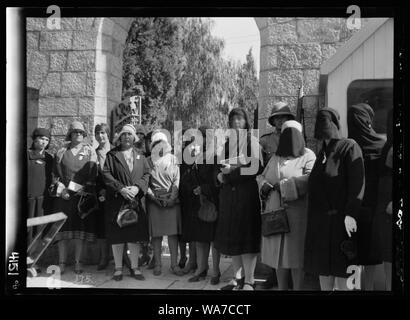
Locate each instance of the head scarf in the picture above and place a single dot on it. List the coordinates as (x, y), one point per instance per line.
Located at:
(291, 142)
(359, 123)
(327, 124)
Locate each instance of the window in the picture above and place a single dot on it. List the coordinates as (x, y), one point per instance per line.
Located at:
(376, 93)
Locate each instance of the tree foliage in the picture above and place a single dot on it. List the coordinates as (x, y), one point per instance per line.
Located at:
(177, 66)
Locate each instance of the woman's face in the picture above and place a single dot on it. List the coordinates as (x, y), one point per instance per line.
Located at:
(238, 122)
(101, 137)
(40, 143)
(77, 136)
(127, 140)
(279, 120)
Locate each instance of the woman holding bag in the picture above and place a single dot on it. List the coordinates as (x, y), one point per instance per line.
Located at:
(75, 166)
(198, 185)
(126, 176)
(285, 178)
(163, 202)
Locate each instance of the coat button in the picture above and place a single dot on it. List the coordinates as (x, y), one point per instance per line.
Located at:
(233, 188)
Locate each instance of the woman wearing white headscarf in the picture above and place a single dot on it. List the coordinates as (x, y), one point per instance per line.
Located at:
(163, 203)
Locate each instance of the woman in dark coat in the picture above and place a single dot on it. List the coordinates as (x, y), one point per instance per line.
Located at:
(39, 177)
(126, 176)
(359, 123)
(102, 135)
(199, 179)
(75, 165)
(335, 193)
(238, 231)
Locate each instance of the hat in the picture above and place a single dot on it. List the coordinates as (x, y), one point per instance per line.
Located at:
(292, 124)
(158, 136)
(128, 128)
(139, 128)
(41, 132)
(75, 125)
(280, 109)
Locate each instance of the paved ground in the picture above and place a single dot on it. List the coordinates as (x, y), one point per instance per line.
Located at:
(91, 278)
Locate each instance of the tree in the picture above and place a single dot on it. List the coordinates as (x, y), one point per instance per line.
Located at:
(177, 66)
(153, 60)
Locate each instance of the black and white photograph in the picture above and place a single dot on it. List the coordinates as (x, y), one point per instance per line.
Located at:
(205, 151)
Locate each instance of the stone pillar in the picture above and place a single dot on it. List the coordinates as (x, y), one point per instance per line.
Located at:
(292, 51)
(77, 70)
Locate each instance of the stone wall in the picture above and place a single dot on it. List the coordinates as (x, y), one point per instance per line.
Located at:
(77, 71)
(292, 51)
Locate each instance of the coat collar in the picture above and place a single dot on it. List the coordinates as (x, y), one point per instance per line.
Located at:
(119, 155)
(34, 156)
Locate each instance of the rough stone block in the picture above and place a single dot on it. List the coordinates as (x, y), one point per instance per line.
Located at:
(56, 143)
(52, 85)
(101, 106)
(60, 125)
(299, 56)
(86, 106)
(329, 49)
(101, 84)
(56, 40)
(58, 107)
(279, 33)
(90, 84)
(85, 40)
(85, 23)
(33, 40)
(44, 122)
(81, 60)
(318, 30)
(37, 68)
(280, 82)
(117, 48)
(68, 23)
(269, 58)
(310, 127)
(36, 24)
(261, 23)
(74, 84)
(272, 21)
(311, 81)
(310, 105)
(58, 61)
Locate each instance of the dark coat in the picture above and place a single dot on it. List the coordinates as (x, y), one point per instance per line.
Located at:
(192, 176)
(338, 185)
(116, 176)
(238, 229)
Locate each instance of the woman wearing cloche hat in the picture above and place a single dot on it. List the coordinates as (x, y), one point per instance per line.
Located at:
(75, 165)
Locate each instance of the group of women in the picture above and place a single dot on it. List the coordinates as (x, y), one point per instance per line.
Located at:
(338, 212)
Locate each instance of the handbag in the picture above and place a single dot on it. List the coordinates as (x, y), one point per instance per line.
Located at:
(276, 221)
(87, 204)
(207, 210)
(128, 214)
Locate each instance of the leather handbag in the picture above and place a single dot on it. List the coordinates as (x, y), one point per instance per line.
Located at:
(207, 210)
(128, 214)
(276, 221)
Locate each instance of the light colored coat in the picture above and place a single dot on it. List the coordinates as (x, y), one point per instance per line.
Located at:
(287, 250)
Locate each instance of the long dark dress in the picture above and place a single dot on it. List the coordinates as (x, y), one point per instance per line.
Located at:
(192, 176)
(39, 176)
(238, 230)
(116, 176)
(82, 169)
(338, 185)
(100, 189)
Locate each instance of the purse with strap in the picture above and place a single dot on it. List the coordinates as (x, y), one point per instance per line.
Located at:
(128, 214)
(276, 221)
